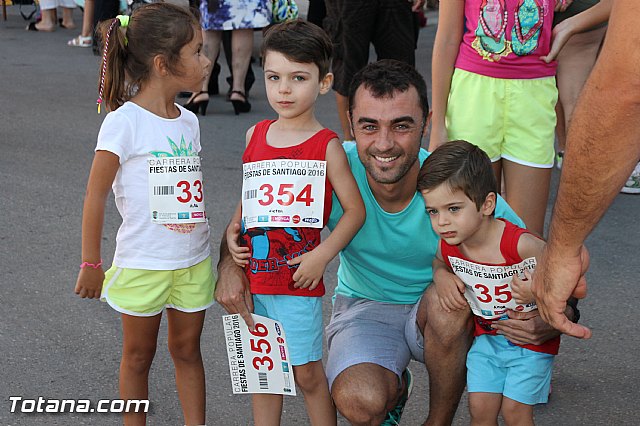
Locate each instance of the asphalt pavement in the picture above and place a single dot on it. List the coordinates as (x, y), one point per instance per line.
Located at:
(56, 345)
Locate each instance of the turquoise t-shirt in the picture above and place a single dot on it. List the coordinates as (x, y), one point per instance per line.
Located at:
(389, 259)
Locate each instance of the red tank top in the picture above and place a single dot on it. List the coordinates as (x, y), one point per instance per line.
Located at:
(509, 250)
(271, 247)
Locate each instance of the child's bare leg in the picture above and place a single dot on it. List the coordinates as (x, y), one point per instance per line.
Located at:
(484, 408)
(527, 191)
(516, 413)
(267, 409)
(140, 335)
(312, 381)
(184, 345)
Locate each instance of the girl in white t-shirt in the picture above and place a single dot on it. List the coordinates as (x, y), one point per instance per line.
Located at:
(147, 152)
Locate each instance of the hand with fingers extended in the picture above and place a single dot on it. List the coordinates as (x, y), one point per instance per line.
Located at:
(311, 267)
(562, 5)
(450, 290)
(525, 328)
(232, 289)
(240, 254)
(89, 282)
(560, 275)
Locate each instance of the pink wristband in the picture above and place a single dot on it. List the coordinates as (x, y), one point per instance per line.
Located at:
(91, 265)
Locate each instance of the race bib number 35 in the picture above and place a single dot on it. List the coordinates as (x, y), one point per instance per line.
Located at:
(283, 193)
(258, 360)
(175, 190)
(488, 288)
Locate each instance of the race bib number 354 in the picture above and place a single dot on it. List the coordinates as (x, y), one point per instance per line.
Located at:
(283, 193)
(258, 360)
(175, 190)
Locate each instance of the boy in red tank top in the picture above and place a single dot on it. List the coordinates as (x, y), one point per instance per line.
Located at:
(488, 255)
(291, 166)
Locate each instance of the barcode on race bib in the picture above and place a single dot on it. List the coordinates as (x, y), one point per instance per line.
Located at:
(264, 382)
(163, 190)
(252, 193)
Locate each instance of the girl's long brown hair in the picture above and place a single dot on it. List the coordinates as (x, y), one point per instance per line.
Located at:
(153, 29)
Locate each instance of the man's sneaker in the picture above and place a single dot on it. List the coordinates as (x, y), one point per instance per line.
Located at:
(559, 156)
(633, 183)
(393, 416)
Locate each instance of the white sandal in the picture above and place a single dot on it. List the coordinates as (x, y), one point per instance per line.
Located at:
(80, 41)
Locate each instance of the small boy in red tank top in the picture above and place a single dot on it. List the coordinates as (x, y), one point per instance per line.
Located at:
(488, 255)
(291, 167)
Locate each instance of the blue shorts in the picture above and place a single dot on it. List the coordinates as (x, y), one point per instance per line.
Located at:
(301, 318)
(496, 366)
(365, 331)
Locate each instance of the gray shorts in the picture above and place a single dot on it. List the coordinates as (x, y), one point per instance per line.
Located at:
(365, 331)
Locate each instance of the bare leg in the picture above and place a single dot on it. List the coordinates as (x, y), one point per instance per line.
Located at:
(184, 345)
(48, 21)
(87, 19)
(447, 338)
(527, 193)
(241, 48)
(516, 413)
(342, 103)
(140, 335)
(211, 49)
(364, 393)
(267, 409)
(312, 382)
(484, 408)
(67, 18)
(575, 61)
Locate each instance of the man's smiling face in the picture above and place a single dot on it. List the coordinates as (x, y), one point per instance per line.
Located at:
(388, 132)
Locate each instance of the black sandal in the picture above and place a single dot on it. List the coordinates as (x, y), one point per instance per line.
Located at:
(238, 105)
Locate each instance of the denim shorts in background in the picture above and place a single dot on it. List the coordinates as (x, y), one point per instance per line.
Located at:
(301, 318)
(366, 331)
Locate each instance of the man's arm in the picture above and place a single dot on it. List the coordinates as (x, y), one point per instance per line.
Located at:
(603, 146)
(232, 288)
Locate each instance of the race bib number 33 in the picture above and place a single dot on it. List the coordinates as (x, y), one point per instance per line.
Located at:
(175, 190)
(258, 360)
(283, 193)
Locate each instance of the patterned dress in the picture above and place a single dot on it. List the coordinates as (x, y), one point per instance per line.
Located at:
(218, 15)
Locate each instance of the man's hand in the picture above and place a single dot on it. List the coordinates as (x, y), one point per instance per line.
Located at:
(232, 288)
(558, 276)
(525, 328)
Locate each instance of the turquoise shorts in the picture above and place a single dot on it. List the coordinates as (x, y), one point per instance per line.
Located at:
(301, 318)
(514, 119)
(145, 293)
(496, 366)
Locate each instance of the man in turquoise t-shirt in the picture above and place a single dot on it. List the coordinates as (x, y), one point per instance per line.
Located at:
(384, 304)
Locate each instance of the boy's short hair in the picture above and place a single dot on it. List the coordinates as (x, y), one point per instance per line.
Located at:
(386, 76)
(300, 41)
(462, 166)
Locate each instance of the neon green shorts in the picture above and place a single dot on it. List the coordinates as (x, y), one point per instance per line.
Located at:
(508, 118)
(145, 293)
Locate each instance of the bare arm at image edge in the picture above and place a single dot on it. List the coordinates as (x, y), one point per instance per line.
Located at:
(603, 147)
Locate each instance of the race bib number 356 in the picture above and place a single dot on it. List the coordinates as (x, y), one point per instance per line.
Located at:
(283, 193)
(258, 360)
(175, 190)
